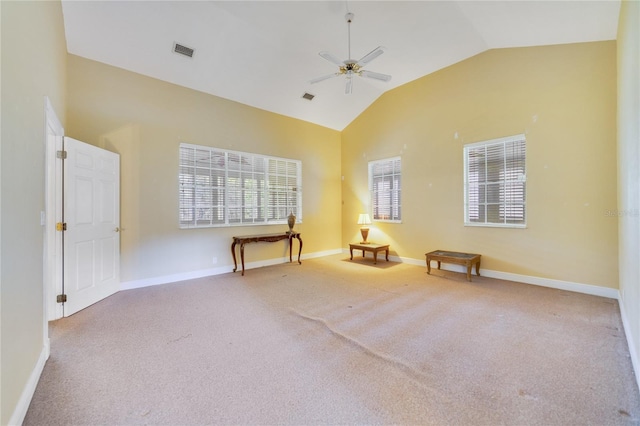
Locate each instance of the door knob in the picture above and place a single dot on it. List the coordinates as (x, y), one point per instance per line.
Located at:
(117, 229)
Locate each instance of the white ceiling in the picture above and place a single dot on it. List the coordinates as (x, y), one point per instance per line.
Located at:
(263, 53)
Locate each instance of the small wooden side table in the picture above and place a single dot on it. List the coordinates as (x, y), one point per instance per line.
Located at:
(466, 259)
(372, 247)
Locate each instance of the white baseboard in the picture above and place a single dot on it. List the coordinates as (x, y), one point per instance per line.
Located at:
(635, 357)
(593, 290)
(27, 393)
(166, 279)
(322, 254)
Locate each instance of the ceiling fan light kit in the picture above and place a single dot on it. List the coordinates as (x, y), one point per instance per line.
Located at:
(351, 67)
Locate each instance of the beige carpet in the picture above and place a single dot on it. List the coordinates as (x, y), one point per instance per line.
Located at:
(334, 341)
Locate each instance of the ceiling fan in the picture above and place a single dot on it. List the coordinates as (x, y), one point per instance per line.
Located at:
(350, 67)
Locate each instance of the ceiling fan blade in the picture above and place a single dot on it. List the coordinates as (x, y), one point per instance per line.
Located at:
(371, 55)
(375, 75)
(329, 57)
(324, 77)
(348, 86)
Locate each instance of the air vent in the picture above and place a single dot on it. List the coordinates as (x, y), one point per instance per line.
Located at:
(308, 96)
(183, 50)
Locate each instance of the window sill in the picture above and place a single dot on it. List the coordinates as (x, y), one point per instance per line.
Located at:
(495, 225)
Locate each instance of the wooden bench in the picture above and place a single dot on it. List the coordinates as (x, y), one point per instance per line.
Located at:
(466, 259)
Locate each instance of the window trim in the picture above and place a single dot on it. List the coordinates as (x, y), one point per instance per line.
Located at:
(263, 193)
(370, 166)
(499, 141)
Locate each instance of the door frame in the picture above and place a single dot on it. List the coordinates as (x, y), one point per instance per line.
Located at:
(53, 137)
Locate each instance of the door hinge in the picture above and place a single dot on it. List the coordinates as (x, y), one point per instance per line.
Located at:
(61, 298)
(61, 155)
(61, 226)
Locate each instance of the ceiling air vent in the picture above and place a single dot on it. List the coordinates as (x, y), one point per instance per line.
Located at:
(183, 50)
(308, 96)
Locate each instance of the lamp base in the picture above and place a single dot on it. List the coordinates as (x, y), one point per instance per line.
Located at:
(365, 233)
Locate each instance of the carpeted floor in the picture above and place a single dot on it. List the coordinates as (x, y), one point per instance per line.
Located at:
(334, 341)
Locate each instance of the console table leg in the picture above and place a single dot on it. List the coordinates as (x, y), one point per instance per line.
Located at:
(233, 252)
(299, 249)
(375, 257)
(290, 248)
(242, 257)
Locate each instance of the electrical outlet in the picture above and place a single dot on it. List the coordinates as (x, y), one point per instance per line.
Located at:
(215, 260)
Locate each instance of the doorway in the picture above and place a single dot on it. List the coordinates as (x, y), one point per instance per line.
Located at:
(82, 222)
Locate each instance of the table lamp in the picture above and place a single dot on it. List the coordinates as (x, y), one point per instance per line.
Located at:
(364, 219)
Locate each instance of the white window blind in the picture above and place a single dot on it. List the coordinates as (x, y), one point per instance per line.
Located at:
(495, 182)
(222, 188)
(385, 181)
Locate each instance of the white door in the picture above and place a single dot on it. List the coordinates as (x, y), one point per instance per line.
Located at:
(92, 216)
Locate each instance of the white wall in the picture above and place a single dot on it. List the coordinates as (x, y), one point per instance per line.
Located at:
(629, 173)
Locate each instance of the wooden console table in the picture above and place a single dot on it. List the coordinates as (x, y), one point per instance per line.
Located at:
(372, 247)
(267, 238)
(466, 259)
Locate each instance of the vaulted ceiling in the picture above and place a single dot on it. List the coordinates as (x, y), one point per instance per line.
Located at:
(263, 53)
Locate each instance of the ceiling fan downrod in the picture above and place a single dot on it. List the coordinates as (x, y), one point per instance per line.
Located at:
(349, 17)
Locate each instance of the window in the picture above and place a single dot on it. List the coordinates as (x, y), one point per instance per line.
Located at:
(385, 186)
(222, 188)
(495, 182)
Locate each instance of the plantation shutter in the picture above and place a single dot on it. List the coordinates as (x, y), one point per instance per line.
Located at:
(495, 179)
(202, 186)
(220, 188)
(283, 189)
(385, 187)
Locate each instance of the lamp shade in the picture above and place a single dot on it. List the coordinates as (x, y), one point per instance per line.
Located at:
(364, 219)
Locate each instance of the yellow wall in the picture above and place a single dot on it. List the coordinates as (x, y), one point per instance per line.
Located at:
(144, 120)
(629, 172)
(33, 66)
(562, 97)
